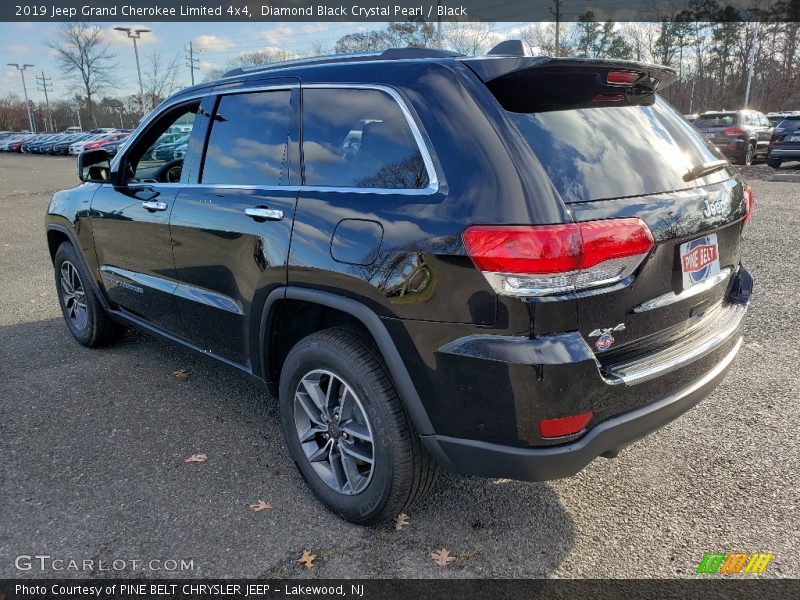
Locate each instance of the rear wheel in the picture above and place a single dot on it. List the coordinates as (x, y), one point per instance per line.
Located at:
(87, 320)
(747, 155)
(347, 430)
(775, 163)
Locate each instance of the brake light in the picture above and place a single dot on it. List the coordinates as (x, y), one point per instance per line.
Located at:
(734, 131)
(559, 427)
(541, 260)
(623, 77)
(749, 203)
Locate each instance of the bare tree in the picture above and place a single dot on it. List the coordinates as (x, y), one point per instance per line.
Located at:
(85, 58)
(160, 78)
(468, 37)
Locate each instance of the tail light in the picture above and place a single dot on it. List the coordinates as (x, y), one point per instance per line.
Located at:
(541, 260)
(559, 427)
(623, 77)
(734, 131)
(749, 202)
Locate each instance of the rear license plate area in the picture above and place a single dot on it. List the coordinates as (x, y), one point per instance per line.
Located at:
(699, 260)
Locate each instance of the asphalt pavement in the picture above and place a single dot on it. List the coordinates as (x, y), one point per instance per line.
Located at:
(93, 446)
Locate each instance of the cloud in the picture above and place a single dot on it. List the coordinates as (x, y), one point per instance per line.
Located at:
(18, 48)
(311, 28)
(209, 66)
(277, 35)
(212, 43)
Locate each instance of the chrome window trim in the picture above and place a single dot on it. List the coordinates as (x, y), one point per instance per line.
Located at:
(427, 158)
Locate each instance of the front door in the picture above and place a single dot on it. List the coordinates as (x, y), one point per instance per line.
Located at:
(231, 226)
(130, 224)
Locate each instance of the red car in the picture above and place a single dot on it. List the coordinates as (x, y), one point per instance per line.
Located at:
(107, 140)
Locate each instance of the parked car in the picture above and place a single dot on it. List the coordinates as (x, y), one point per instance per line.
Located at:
(106, 140)
(741, 135)
(62, 147)
(691, 118)
(785, 142)
(14, 144)
(510, 299)
(180, 151)
(79, 147)
(167, 151)
(113, 147)
(165, 140)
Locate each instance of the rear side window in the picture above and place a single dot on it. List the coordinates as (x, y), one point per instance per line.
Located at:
(359, 138)
(612, 152)
(249, 140)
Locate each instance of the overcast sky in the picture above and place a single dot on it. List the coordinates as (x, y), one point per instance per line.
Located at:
(217, 42)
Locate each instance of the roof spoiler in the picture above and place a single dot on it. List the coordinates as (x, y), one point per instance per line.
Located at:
(492, 67)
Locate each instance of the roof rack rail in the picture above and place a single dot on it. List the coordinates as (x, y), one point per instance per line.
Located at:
(390, 54)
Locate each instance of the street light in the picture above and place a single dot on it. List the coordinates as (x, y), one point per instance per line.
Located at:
(25, 89)
(135, 34)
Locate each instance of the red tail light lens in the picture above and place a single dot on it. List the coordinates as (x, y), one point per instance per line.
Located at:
(554, 428)
(623, 77)
(734, 131)
(749, 203)
(539, 260)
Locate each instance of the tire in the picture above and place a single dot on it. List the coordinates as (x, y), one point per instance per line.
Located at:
(775, 163)
(746, 157)
(401, 472)
(85, 317)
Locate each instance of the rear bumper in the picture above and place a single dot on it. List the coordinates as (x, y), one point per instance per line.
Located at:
(554, 376)
(785, 153)
(471, 457)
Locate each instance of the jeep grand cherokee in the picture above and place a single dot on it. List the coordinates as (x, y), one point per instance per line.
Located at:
(503, 265)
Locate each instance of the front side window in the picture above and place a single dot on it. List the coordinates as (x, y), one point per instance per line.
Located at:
(359, 138)
(152, 156)
(249, 140)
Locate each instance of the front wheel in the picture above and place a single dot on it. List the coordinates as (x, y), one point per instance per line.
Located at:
(347, 430)
(87, 320)
(747, 155)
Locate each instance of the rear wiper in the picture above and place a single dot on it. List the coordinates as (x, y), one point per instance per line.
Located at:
(705, 169)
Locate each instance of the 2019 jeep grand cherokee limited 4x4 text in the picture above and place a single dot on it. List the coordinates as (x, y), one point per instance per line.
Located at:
(504, 265)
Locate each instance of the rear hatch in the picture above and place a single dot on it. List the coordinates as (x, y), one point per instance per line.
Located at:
(720, 127)
(786, 135)
(617, 150)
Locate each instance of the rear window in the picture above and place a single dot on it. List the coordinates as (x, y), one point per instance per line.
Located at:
(716, 120)
(790, 123)
(613, 152)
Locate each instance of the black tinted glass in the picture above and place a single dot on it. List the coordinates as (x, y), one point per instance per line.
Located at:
(598, 153)
(359, 138)
(790, 123)
(249, 140)
(717, 120)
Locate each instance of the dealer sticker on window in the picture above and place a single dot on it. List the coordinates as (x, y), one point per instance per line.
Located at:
(699, 260)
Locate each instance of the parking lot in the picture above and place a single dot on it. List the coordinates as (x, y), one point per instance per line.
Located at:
(93, 444)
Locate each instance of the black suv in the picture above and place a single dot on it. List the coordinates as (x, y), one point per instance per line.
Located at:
(741, 135)
(506, 266)
(785, 142)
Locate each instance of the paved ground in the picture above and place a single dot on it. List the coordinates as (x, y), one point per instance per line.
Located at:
(92, 449)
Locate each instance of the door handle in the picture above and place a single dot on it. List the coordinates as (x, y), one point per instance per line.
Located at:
(264, 214)
(153, 206)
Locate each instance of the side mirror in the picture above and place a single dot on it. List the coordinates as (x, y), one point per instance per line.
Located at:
(94, 166)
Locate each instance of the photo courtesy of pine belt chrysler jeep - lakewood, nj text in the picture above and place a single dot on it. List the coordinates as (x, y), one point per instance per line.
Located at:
(500, 265)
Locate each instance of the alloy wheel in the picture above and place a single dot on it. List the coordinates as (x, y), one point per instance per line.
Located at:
(334, 432)
(74, 296)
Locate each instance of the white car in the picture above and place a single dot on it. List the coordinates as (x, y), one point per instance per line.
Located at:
(78, 147)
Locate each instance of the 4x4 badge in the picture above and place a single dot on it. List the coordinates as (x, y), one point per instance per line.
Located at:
(605, 339)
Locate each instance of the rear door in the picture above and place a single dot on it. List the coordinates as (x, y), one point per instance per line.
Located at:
(231, 225)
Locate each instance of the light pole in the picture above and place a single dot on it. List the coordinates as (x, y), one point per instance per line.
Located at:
(25, 89)
(135, 34)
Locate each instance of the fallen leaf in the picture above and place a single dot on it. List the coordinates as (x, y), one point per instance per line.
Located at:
(307, 559)
(43, 294)
(501, 481)
(196, 458)
(182, 374)
(381, 535)
(401, 521)
(260, 505)
(442, 557)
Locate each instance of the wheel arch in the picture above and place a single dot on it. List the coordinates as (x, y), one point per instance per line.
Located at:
(58, 234)
(349, 312)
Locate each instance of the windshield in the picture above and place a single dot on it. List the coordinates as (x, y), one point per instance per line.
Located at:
(613, 152)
